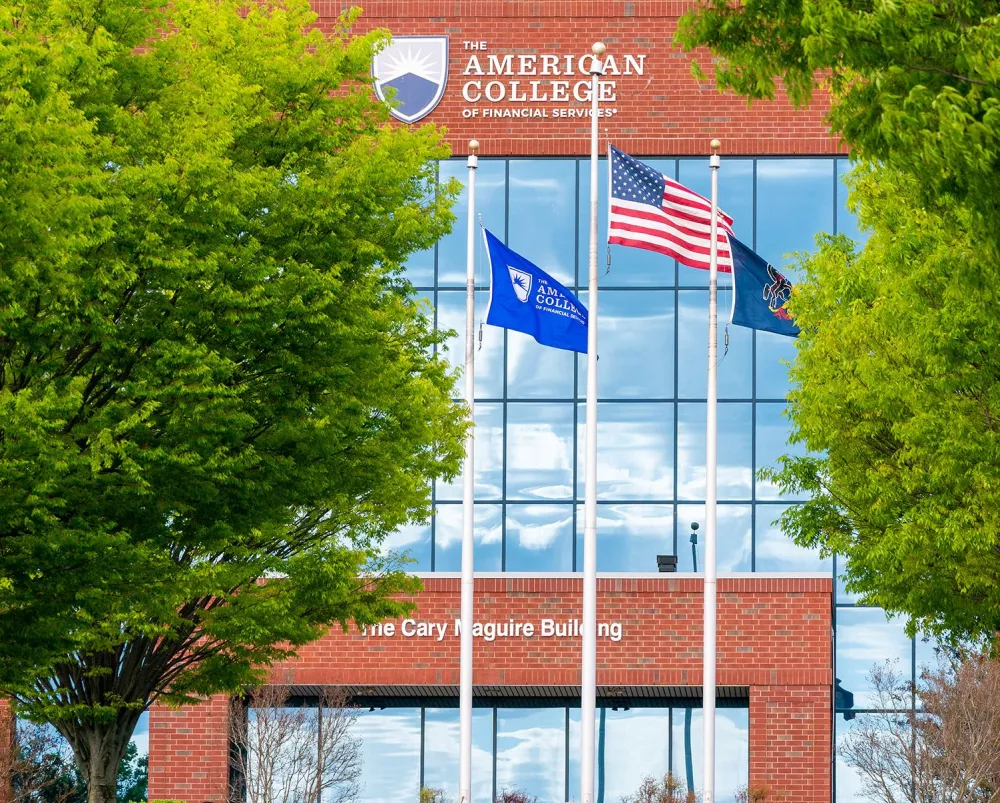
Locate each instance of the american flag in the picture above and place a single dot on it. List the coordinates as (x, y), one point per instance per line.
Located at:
(651, 211)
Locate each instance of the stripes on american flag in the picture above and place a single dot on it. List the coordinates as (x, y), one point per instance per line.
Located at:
(651, 211)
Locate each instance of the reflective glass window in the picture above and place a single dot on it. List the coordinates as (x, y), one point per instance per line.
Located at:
(389, 738)
(635, 345)
(629, 537)
(542, 210)
(537, 371)
(865, 637)
(539, 451)
(441, 748)
(488, 359)
(775, 353)
(419, 268)
(539, 538)
(926, 655)
(630, 267)
(412, 541)
(732, 750)
(573, 793)
(531, 751)
(777, 552)
(487, 533)
(734, 453)
(733, 542)
(772, 443)
(849, 782)
(488, 457)
(735, 364)
(794, 204)
(636, 744)
(651, 749)
(735, 199)
(491, 201)
(635, 448)
(843, 595)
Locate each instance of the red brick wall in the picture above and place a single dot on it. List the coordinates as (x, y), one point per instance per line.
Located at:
(6, 752)
(774, 635)
(189, 752)
(663, 112)
(791, 741)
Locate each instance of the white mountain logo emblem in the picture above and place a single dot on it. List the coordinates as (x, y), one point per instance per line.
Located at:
(521, 281)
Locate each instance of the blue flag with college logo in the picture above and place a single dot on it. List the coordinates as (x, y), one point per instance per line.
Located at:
(525, 298)
(759, 293)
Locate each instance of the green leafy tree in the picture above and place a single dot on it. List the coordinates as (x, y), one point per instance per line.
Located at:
(42, 770)
(895, 385)
(914, 85)
(39, 768)
(895, 379)
(133, 776)
(217, 394)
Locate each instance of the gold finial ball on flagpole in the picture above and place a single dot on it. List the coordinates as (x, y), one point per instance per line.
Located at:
(473, 145)
(715, 144)
(599, 48)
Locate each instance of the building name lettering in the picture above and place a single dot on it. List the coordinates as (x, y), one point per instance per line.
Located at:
(490, 631)
(553, 87)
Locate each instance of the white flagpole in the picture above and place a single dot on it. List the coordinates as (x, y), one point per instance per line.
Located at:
(708, 646)
(588, 670)
(468, 496)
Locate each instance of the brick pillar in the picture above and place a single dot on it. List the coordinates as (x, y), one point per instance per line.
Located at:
(7, 737)
(790, 742)
(189, 752)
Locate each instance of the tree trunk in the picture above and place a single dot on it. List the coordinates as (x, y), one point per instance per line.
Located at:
(101, 774)
(98, 749)
(8, 747)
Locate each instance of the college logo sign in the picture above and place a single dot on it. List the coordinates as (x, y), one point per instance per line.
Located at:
(413, 70)
(521, 282)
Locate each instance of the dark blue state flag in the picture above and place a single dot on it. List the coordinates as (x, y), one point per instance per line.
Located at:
(759, 293)
(525, 298)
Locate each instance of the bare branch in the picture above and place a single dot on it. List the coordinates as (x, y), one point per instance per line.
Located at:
(946, 753)
(297, 754)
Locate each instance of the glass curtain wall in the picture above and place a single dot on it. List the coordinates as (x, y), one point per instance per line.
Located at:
(652, 387)
(535, 751)
(530, 413)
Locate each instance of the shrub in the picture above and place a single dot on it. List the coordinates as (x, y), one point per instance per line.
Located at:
(666, 790)
(514, 796)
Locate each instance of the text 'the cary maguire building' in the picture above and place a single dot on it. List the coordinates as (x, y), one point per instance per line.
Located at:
(514, 76)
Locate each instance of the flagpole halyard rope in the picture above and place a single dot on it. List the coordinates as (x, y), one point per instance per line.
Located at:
(484, 267)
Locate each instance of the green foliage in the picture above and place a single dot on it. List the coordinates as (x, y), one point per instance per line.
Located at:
(133, 776)
(896, 387)
(914, 85)
(431, 795)
(40, 768)
(897, 367)
(44, 771)
(212, 373)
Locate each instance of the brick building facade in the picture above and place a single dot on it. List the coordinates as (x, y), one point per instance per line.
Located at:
(775, 654)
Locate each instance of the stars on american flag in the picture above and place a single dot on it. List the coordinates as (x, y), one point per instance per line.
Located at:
(656, 213)
(631, 180)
